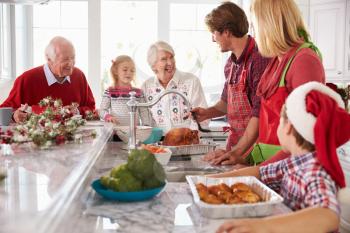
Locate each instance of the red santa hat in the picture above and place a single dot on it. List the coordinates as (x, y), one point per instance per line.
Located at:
(317, 113)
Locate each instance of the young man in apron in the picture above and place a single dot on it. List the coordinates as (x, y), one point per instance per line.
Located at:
(229, 26)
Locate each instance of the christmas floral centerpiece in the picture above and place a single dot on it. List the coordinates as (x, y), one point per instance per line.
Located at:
(57, 124)
(344, 92)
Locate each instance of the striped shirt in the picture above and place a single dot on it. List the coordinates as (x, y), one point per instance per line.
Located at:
(114, 103)
(302, 182)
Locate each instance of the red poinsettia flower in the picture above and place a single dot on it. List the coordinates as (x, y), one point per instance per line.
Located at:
(60, 139)
(42, 122)
(9, 133)
(332, 86)
(22, 132)
(57, 117)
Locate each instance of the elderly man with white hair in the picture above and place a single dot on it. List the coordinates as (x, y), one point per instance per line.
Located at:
(57, 78)
(170, 112)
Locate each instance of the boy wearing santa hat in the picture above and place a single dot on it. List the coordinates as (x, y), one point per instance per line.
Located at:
(313, 123)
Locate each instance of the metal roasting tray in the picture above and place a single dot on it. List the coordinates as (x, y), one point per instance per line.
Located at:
(264, 208)
(195, 149)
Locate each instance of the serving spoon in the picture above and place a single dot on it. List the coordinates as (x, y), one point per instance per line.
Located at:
(194, 116)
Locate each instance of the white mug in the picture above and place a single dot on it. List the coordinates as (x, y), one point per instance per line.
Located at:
(5, 116)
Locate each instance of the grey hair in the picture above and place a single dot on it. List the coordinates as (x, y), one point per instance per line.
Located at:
(50, 50)
(153, 51)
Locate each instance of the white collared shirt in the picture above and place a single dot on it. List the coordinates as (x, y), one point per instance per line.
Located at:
(169, 112)
(50, 78)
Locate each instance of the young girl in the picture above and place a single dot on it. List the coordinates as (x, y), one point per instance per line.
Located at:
(113, 105)
(313, 123)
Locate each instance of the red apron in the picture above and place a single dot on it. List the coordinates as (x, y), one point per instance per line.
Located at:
(238, 105)
(270, 109)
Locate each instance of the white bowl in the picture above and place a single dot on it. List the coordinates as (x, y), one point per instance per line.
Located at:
(163, 158)
(142, 133)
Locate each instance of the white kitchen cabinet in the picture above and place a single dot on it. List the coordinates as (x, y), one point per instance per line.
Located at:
(347, 42)
(327, 28)
(304, 7)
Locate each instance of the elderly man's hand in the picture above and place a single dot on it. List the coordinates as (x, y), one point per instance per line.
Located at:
(73, 109)
(20, 116)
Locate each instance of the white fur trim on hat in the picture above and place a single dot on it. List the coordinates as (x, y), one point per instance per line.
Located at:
(303, 121)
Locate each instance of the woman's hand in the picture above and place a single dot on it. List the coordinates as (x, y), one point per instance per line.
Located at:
(112, 119)
(214, 154)
(244, 226)
(222, 157)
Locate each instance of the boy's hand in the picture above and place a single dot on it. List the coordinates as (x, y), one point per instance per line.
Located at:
(244, 226)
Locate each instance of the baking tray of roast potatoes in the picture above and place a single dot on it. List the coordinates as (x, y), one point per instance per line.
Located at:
(233, 197)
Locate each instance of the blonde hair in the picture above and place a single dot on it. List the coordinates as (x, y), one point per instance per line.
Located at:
(114, 68)
(277, 25)
(153, 51)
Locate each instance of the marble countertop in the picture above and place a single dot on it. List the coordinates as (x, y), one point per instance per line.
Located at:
(41, 184)
(49, 191)
(172, 211)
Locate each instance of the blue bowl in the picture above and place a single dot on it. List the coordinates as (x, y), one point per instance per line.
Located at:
(125, 196)
(156, 135)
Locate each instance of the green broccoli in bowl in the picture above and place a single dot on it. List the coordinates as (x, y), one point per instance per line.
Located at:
(142, 171)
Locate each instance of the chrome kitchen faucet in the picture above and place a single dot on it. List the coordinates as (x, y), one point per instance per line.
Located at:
(133, 104)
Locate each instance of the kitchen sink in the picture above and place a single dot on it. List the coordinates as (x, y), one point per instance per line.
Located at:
(179, 174)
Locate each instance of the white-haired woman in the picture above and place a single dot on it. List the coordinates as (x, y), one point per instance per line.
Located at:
(170, 111)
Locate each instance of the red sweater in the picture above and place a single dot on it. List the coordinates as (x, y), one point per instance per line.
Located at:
(306, 67)
(31, 87)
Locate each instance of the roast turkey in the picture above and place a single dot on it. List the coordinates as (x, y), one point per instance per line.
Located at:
(180, 137)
